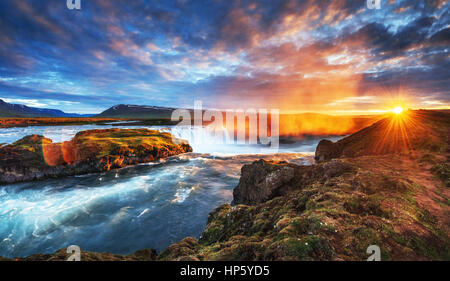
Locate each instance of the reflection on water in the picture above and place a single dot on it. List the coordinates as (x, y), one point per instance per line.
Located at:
(145, 206)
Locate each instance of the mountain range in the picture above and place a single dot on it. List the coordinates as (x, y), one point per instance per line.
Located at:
(118, 111)
(20, 110)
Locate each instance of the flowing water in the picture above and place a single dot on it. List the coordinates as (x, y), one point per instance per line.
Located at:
(144, 206)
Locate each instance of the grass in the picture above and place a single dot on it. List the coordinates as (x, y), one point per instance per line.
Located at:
(125, 141)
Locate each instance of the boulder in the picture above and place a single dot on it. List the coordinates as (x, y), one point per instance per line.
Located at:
(327, 150)
(261, 181)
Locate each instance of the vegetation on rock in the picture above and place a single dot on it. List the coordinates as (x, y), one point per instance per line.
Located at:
(36, 157)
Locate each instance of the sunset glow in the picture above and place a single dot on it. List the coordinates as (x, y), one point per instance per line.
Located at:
(397, 110)
(331, 57)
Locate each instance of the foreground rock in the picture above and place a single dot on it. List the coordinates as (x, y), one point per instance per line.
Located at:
(36, 157)
(334, 217)
(264, 180)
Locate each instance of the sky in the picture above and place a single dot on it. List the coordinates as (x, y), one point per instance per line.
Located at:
(337, 57)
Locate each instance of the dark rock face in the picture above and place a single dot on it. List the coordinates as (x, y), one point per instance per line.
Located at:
(261, 181)
(327, 150)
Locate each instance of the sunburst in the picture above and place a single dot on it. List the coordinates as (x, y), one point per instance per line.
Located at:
(398, 110)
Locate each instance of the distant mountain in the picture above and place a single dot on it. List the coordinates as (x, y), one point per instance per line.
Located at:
(137, 112)
(20, 110)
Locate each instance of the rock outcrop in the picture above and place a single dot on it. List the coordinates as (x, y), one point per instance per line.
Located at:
(327, 150)
(263, 180)
(412, 131)
(36, 157)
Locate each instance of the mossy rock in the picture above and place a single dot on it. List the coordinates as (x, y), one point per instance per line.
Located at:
(313, 247)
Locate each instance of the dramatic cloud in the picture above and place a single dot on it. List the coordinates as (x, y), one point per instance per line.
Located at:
(329, 56)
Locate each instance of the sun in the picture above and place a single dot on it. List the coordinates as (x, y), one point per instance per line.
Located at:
(397, 110)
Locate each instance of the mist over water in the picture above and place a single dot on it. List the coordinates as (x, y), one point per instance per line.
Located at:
(121, 211)
(201, 140)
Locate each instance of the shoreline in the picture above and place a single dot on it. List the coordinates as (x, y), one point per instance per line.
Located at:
(14, 122)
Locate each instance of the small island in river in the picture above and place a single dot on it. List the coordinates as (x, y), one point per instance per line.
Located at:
(36, 157)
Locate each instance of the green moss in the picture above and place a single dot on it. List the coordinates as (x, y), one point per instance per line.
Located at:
(417, 244)
(212, 234)
(126, 141)
(310, 205)
(364, 237)
(370, 205)
(188, 247)
(442, 171)
(308, 248)
(260, 227)
(426, 217)
(307, 225)
(394, 235)
(247, 251)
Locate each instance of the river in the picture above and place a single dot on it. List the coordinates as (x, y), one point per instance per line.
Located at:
(121, 211)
